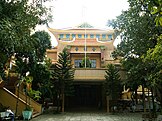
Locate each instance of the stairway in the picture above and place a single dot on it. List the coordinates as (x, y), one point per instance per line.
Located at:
(9, 99)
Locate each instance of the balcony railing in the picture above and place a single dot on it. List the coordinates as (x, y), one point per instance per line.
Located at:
(92, 74)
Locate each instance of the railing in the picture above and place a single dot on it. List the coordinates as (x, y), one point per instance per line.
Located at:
(9, 99)
(34, 104)
(92, 74)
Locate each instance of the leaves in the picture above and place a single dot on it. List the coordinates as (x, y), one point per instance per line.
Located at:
(18, 19)
(140, 48)
(63, 73)
(112, 82)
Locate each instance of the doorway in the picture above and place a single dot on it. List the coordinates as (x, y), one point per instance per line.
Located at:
(87, 96)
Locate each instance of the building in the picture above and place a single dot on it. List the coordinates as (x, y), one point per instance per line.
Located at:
(96, 44)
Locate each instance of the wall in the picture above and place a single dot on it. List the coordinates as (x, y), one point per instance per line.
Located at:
(8, 99)
(84, 74)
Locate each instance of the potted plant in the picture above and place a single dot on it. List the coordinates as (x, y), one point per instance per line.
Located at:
(27, 112)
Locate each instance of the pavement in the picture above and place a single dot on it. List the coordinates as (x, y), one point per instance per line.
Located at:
(89, 116)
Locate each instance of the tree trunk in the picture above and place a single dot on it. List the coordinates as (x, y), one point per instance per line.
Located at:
(136, 100)
(63, 102)
(143, 98)
(149, 100)
(58, 103)
(153, 102)
(107, 100)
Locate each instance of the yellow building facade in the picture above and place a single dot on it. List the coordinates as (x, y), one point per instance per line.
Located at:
(97, 45)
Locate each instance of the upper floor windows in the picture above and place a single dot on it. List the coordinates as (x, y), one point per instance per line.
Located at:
(79, 35)
(93, 63)
(86, 36)
(103, 36)
(109, 37)
(61, 36)
(67, 36)
(73, 35)
(82, 36)
(97, 36)
(91, 35)
(77, 63)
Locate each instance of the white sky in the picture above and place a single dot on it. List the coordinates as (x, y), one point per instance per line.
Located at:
(70, 13)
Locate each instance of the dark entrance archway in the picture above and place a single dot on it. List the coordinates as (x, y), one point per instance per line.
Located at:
(87, 96)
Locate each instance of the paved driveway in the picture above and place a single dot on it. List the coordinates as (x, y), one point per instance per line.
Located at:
(81, 116)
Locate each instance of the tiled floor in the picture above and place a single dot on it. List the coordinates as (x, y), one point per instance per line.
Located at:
(91, 116)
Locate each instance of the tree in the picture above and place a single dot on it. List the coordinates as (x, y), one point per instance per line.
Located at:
(42, 75)
(139, 33)
(154, 55)
(112, 82)
(113, 85)
(17, 21)
(42, 43)
(63, 75)
(31, 60)
(154, 6)
(88, 62)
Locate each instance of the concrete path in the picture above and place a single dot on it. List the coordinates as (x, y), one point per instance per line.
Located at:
(94, 116)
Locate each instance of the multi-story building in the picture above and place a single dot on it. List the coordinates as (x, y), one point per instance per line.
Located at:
(96, 44)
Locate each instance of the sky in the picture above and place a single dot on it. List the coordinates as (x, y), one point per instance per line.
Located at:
(70, 13)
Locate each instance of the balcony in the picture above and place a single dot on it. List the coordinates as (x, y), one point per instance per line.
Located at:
(92, 74)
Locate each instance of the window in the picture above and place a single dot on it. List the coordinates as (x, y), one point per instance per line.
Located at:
(97, 36)
(104, 36)
(91, 35)
(110, 37)
(67, 36)
(93, 63)
(86, 36)
(77, 63)
(73, 35)
(79, 36)
(61, 36)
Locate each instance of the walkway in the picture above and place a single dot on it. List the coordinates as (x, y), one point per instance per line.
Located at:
(94, 116)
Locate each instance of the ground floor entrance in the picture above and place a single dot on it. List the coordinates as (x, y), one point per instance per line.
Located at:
(87, 95)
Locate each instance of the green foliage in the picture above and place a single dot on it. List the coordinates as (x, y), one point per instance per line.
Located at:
(154, 6)
(155, 54)
(42, 78)
(140, 48)
(28, 108)
(28, 79)
(36, 95)
(64, 74)
(113, 85)
(42, 43)
(17, 21)
(88, 62)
